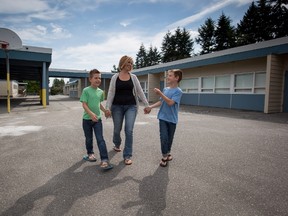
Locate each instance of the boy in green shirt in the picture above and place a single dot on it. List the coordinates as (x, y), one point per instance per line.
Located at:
(91, 99)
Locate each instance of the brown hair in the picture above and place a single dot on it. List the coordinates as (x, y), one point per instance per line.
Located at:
(124, 59)
(177, 73)
(92, 72)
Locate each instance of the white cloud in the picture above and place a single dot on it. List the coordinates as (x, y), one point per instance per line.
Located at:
(99, 55)
(209, 9)
(43, 34)
(20, 6)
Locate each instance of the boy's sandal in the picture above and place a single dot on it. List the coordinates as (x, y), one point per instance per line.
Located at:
(90, 158)
(169, 157)
(116, 149)
(164, 162)
(128, 161)
(105, 165)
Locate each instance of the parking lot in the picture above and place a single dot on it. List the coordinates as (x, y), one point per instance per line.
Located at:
(226, 162)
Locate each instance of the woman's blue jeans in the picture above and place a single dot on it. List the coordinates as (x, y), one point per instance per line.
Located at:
(167, 131)
(89, 126)
(119, 113)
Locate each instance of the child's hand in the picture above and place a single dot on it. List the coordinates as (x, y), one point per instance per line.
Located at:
(107, 113)
(94, 118)
(147, 110)
(157, 91)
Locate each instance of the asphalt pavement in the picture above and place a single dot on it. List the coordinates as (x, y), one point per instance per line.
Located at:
(226, 162)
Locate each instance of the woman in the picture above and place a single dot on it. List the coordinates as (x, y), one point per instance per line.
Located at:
(123, 103)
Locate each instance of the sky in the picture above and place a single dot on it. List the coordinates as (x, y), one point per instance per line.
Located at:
(87, 34)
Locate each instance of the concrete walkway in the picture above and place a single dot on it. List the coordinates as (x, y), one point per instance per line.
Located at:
(226, 162)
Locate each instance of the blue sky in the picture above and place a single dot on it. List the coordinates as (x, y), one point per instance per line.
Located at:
(86, 34)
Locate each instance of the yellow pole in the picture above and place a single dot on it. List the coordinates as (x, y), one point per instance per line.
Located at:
(44, 97)
(8, 82)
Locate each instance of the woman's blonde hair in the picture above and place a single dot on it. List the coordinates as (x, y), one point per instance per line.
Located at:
(123, 61)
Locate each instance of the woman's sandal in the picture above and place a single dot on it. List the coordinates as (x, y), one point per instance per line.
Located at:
(116, 149)
(164, 162)
(169, 157)
(105, 165)
(128, 161)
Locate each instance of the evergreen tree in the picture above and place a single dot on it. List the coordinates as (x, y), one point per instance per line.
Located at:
(168, 48)
(184, 43)
(177, 46)
(279, 17)
(264, 28)
(245, 32)
(153, 56)
(206, 37)
(141, 58)
(224, 34)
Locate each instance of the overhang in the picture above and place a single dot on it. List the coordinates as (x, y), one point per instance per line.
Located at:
(25, 63)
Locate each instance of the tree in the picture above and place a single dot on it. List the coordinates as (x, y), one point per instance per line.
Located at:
(224, 34)
(263, 29)
(57, 87)
(206, 37)
(33, 87)
(177, 46)
(279, 17)
(115, 69)
(153, 56)
(245, 32)
(141, 57)
(184, 43)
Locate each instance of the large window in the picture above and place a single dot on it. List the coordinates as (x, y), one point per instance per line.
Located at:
(189, 85)
(243, 83)
(250, 83)
(253, 82)
(259, 84)
(222, 84)
(207, 84)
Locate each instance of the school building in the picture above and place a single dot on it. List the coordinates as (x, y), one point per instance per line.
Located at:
(252, 77)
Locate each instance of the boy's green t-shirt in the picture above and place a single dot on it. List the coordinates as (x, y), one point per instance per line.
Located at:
(93, 97)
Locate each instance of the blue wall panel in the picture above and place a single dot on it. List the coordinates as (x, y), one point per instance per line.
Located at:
(215, 100)
(248, 102)
(189, 99)
(251, 102)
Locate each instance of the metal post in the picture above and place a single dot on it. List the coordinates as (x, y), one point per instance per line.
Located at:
(8, 80)
(44, 80)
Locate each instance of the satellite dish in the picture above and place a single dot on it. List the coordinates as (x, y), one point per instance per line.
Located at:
(9, 39)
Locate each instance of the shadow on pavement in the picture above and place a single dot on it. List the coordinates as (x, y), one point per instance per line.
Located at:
(67, 187)
(152, 193)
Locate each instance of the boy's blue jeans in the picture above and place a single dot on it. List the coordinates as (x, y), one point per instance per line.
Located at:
(89, 126)
(167, 131)
(119, 113)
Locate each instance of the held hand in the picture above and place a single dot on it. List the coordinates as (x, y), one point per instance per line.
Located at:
(147, 110)
(107, 113)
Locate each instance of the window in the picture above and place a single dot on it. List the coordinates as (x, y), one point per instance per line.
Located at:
(243, 83)
(259, 85)
(189, 85)
(222, 84)
(207, 84)
(144, 86)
